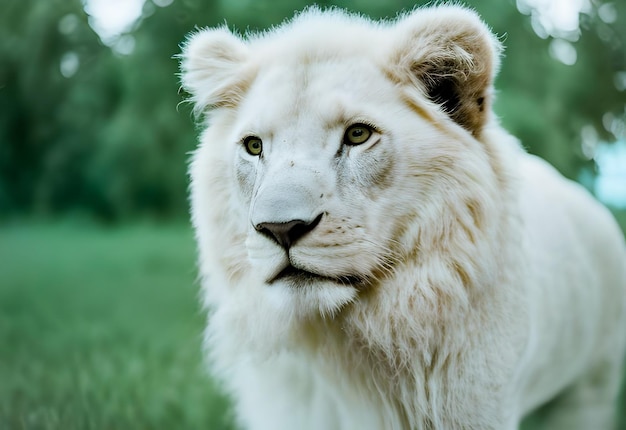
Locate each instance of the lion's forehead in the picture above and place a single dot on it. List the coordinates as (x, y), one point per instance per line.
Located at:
(327, 94)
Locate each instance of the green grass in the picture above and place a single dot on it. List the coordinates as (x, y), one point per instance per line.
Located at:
(100, 329)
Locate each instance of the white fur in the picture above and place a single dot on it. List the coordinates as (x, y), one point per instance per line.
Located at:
(490, 284)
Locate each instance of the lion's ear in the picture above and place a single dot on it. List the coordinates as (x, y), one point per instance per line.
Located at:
(211, 65)
(452, 56)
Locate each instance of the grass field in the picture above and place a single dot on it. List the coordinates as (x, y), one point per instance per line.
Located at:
(100, 329)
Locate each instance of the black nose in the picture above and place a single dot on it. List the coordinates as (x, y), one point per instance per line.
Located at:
(287, 233)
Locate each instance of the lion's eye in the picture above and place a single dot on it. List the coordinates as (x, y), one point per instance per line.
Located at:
(357, 134)
(254, 145)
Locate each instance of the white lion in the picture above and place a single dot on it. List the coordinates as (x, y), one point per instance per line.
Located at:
(376, 251)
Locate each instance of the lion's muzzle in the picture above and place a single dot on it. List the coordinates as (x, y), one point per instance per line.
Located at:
(285, 208)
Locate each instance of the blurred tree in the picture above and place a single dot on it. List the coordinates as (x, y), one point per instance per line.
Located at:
(100, 129)
(41, 137)
(547, 103)
(142, 164)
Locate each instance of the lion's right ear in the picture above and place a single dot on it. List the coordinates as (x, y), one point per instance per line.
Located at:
(452, 56)
(211, 66)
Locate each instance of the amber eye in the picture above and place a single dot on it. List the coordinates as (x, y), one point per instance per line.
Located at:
(254, 145)
(357, 134)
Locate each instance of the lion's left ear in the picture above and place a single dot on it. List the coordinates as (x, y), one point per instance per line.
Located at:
(452, 56)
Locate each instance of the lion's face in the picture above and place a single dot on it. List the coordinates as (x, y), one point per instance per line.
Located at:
(319, 168)
(314, 166)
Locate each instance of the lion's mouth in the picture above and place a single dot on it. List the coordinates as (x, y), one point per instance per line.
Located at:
(296, 276)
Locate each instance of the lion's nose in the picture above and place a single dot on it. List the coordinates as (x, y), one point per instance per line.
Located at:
(287, 233)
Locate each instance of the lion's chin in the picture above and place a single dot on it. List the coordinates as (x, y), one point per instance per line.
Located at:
(303, 294)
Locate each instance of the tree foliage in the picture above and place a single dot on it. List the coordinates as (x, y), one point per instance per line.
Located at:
(85, 128)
